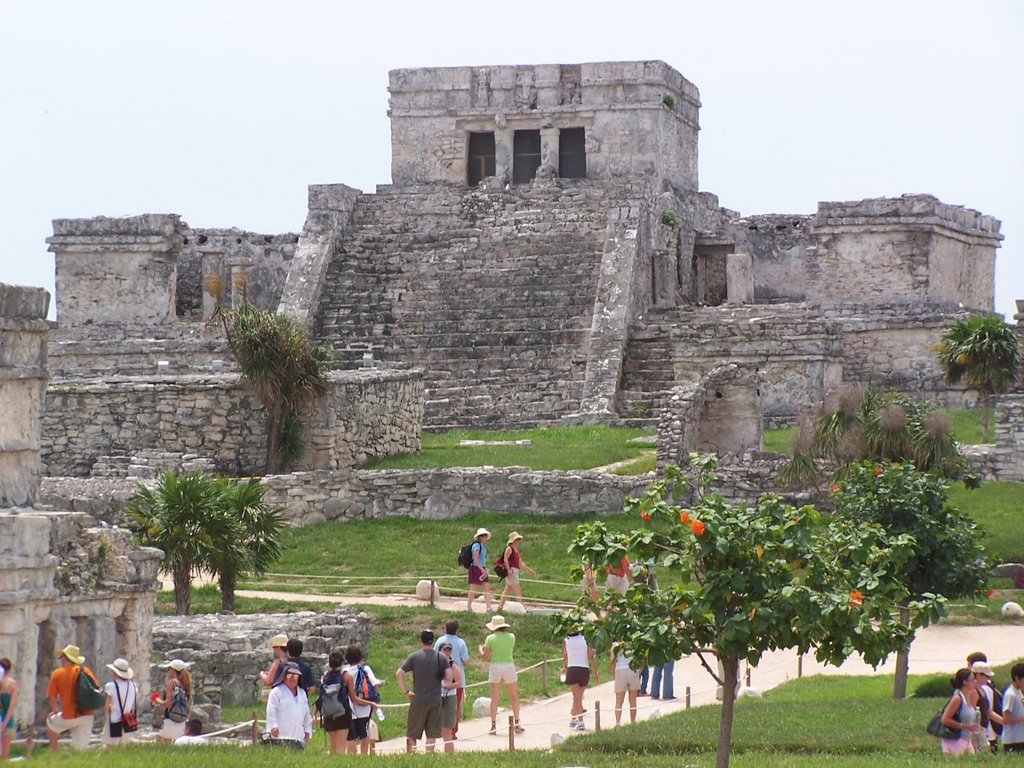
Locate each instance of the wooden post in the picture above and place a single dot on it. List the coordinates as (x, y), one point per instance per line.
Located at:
(30, 733)
(511, 733)
(800, 666)
(597, 715)
(255, 729)
(687, 697)
(748, 675)
(433, 586)
(544, 677)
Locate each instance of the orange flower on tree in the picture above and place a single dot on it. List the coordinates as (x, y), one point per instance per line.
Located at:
(878, 470)
(835, 489)
(697, 527)
(684, 517)
(645, 515)
(856, 598)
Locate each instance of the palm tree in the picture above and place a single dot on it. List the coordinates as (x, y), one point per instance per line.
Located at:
(869, 424)
(260, 545)
(282, 367)
(984, 353)
(183, 516)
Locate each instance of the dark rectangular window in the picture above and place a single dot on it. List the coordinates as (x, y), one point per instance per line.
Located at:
(525, 156)
(481, 157)
(572, 153)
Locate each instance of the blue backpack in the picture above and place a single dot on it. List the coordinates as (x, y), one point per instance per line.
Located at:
(365, 688)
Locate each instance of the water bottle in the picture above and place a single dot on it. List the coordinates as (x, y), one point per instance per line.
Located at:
(380, 713)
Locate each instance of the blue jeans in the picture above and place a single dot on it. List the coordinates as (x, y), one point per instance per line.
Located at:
(645, 675)
(664, 672)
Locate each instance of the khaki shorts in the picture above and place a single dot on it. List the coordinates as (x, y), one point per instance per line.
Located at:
(79, 727)
(424, 718)
(513, 576)
(449, 709)
(626, 680)
(502, 673)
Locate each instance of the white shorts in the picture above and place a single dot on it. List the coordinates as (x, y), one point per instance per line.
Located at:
(619, 583)
(502, 673)
(171, 730)
(626, 680)
(513, 576)
(79, 727)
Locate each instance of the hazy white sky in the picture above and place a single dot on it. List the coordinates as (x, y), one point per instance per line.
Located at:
(224, 111)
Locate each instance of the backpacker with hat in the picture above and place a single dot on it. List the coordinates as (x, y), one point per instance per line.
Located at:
(89, 695)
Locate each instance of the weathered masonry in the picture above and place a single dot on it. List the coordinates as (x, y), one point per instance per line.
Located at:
(545, 253)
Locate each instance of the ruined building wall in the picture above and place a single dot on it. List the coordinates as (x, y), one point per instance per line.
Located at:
(365, 413)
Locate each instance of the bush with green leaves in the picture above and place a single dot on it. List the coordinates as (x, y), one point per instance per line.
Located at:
(736, 581)
(941, 555)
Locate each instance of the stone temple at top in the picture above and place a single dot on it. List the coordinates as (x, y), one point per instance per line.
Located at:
(545, 254)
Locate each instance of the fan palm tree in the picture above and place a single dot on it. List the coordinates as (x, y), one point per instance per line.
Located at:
(260, 546)
(183, 516)
(282, 367)
(983, 352)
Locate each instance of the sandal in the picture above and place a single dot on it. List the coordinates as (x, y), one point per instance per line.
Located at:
(494, 729)
(519, 728)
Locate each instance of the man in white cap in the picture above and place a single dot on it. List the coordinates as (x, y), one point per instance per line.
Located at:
(64, 714)
(478, 570)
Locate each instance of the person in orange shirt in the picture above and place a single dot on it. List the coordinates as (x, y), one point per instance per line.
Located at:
(64, 714)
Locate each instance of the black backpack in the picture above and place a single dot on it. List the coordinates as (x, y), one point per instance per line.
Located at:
(997, 706)
(466, 555)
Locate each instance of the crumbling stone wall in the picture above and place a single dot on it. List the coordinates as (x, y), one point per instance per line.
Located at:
(1002, 459)
(366, 413)
(227, 651)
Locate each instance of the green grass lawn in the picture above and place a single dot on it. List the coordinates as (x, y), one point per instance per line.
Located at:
(560, 448)
(998, 508)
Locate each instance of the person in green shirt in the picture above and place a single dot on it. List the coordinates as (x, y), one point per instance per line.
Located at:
(497, 650)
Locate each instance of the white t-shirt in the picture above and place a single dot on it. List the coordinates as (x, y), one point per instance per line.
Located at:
(184, 741)
(119, 691)
(576, 652)
(360, 710)
(1013, 703)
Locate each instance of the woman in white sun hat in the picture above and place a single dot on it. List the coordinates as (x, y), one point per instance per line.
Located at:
(176, 701)
(121, 705)
(497, 650)
(478, 570)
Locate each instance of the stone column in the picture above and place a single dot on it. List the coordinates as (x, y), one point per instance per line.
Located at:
(118, 271)
(504, 141)
(549, 147)
(213, 278)
(23, 336)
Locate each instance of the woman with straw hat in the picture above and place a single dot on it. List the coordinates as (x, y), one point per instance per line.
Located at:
(513, 562)
(478, 570)
(121, 705)
(177, 700)
(497, 650)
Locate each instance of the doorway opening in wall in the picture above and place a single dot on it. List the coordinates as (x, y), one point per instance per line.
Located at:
(480, 163)
(572, 153)
(525, 156)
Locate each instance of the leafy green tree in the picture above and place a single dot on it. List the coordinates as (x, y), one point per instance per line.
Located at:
(983, 352)
(869, 424)
(183, 516)
(942, 555)
(736, 582)
(282, 367)
(260, 544)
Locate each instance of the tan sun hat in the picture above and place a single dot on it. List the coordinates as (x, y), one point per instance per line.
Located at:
(72, 653)
(278, 641)
(514, 537)
(482, 532)
(497, 622)
(121, 668)
(982, 668)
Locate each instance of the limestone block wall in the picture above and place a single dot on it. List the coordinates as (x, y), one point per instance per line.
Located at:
(227, 651)
(1003, 459)
(445, 494)
(116, 270)
(780, 246)
(491, 293)
(640, 118)
(241, 262)
(366, 413)
(23, 374)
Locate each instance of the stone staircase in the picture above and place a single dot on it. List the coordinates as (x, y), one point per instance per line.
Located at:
(491, 293)
(647, 374)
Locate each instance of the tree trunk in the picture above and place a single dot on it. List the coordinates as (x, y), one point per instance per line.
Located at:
(275, 423)
(899, 681)
(228, 582)
(731, 667)
(985, 403)
(182, 574)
